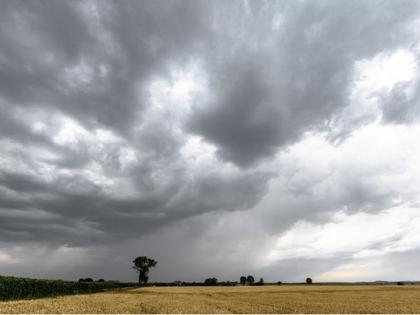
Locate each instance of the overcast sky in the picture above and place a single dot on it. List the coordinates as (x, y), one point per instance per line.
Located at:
(222, 138)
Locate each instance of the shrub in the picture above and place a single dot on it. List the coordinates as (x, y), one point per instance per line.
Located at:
(210, 281)
(260, 282)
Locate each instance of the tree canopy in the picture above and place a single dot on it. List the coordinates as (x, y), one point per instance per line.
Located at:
(142, 265)
(250, 279)
(210, 281)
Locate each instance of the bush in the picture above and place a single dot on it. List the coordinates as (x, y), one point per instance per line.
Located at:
(19, 288)
(260, 282)
(210, 281)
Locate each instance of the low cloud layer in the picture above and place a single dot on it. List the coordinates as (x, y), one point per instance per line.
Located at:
(209, 135)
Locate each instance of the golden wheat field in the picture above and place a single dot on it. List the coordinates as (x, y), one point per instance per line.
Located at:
(265, 299)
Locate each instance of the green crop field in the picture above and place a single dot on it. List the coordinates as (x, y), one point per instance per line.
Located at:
(237, 299)
(18, 288)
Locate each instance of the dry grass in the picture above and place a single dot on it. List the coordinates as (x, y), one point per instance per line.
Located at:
(266, 299)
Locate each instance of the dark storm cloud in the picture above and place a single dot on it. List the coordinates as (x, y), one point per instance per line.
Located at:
(127, 40)
(269, 89)
(90, 156)
(76, 204)
(239, 121)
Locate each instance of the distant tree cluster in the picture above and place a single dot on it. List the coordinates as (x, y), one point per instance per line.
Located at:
(90, 280)
(86, 280)
(249, 280)
(142, 265)
(210, 281)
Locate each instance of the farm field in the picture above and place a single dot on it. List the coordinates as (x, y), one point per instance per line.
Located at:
(238, 299)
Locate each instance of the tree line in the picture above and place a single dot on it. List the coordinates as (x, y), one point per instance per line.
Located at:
(16, 288)
(142, 265)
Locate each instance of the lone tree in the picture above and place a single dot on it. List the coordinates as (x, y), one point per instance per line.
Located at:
(242, 280)
(250, 280)
(308, 281)
(142, 264)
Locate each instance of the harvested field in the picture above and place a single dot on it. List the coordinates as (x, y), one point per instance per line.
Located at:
(239, 299)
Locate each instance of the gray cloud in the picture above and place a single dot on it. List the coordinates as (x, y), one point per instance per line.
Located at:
(292, 79)
(96, 163)
(401, 105)
(71, 56)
